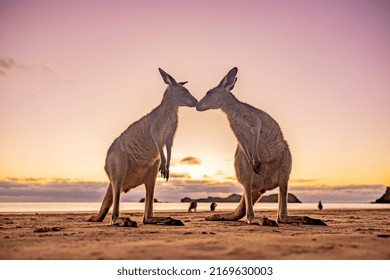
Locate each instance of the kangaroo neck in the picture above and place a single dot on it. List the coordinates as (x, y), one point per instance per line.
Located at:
(169, 103)
(230, 105)
(166, 115)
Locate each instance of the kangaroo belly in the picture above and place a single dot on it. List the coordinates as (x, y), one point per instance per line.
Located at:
(271, 170)
(131, 162)
(274, 172)
(138, 174)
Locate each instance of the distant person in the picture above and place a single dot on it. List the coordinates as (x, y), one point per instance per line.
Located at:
(320, 205)
(212, 206)
(193, 206)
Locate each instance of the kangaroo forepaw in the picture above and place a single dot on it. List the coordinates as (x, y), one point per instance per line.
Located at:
(167, 176)
(164, 172)
(124, 222)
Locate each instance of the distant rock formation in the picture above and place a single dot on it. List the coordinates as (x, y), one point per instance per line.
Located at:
(384, 198)
(143, 200)
(236, 198)
(231, 198)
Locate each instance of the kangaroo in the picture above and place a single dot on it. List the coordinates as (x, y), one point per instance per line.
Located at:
(193, 206)
(262, 158)
(137, 155)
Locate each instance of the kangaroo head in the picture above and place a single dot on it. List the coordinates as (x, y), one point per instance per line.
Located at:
(214, 97)
(178, 92)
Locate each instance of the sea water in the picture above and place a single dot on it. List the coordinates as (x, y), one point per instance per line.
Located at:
(75, 207)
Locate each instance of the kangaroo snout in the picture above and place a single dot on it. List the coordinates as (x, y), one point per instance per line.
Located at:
(194, 102)
(199, 107)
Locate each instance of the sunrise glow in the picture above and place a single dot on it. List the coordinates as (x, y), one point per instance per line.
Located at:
(74, 75)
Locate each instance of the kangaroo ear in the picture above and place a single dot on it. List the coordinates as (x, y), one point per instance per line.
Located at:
(183, 83)
(230, 79)
(232, 86)
(166, 77)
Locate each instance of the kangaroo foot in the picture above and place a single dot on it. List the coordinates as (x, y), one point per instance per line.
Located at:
(95, 218)
(215, 217)
(301, 220)
(269, 223)
(223, 217)
(163, 221)
(123, 222)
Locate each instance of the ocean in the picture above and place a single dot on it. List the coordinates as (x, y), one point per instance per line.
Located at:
(77, 207)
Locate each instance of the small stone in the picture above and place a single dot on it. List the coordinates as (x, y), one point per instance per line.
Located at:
(48, 229)
(41, 230)
(173, 222)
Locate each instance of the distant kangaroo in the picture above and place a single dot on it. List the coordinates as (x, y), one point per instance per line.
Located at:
(193, 206)
(137, 155)
(262, 159)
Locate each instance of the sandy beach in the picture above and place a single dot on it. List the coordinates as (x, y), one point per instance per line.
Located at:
(349, 234)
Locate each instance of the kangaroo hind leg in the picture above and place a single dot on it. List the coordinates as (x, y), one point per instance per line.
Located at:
(106, 205)
(263, 221)
(116, 219)
(236, 215)
(149, 200)
(283, 216)
(240, 211)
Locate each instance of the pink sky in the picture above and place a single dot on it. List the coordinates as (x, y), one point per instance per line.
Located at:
(75, 74)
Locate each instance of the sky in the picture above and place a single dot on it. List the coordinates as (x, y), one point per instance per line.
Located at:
(75, 74)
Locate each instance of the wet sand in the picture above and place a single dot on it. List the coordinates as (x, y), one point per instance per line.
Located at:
(350, 234)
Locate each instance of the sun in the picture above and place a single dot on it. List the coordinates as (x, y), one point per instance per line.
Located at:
(208, 169)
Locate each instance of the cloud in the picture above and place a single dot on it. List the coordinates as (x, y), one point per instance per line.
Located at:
(338, 194)
(179, 186)
(6, 65)
(39, 181)
(179, 175)
(65, 190)
(230, 178)
(58, 190)
(38, 75)
(190, 161)
(302, 181)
